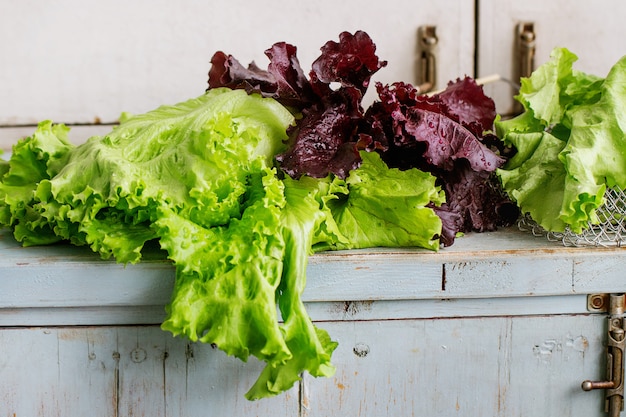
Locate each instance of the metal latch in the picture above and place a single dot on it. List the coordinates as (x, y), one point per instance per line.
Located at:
(614, 383)
(427, 58)
(526, 41)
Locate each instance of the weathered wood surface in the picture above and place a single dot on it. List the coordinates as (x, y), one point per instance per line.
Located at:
(495, 325)
(124, 371)
(60, 286)
(52, 281)
(504, 366)
(497, 366)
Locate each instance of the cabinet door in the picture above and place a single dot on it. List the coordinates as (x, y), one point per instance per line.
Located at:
(125, 371)
(482, 366)
(85, 62)
(473, 366)
(594, 31)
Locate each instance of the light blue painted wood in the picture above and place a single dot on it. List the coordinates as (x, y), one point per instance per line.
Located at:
(125, 371)
(507, 263)
(487, 366)
(319, 311)
(498, 366)
(476, 329)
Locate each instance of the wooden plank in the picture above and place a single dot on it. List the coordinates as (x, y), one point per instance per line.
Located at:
(318, 311)
(82, 316)
(405, 368)
(478, 266)
(140, 382)
(600, 274)
(508, 275)
(204, 381)
(354, 277)
(86, 285)
(547, 360)
(447, 308)
(389, 367)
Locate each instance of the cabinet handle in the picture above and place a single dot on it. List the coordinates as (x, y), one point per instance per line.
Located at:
(526, 45)
(614, 384)
(427, 58)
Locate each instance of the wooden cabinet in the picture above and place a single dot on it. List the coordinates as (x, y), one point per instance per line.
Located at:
(496, 325)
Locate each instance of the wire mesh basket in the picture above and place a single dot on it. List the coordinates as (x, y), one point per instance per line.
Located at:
(610, 231)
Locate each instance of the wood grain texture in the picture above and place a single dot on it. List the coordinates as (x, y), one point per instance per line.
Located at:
(487, 366)
(467, 367)
(124, 371)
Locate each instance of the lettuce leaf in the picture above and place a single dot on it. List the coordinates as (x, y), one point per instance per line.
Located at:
(33, 159)
(324, 140)
(193, 158)
(570, 142)
(305, 222)
(199, 178)
(387, 207)
(447, 135)
(260, 260)
(230, 281)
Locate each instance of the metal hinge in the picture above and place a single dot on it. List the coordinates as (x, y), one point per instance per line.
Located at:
(427, 58)
(613, 304)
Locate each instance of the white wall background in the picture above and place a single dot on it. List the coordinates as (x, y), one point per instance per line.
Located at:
(83, 62)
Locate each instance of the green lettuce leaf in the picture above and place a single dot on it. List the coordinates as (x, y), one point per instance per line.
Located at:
(228, 275)
(387, 207)
(33, 159)
(198, 177)
(231, 280)
(305, 222)
(193, 158)
(534, 180)
(570, 141)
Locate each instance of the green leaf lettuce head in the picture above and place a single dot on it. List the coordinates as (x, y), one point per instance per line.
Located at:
(198, 177)
(570, 143)
(284, 223)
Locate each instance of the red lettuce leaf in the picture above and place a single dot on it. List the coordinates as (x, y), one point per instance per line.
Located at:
(444, 134)
(284, 79)
(321, 143)
(466, 100)
(448, 137)
(474, 202)
(326, 139)
(351, 62)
